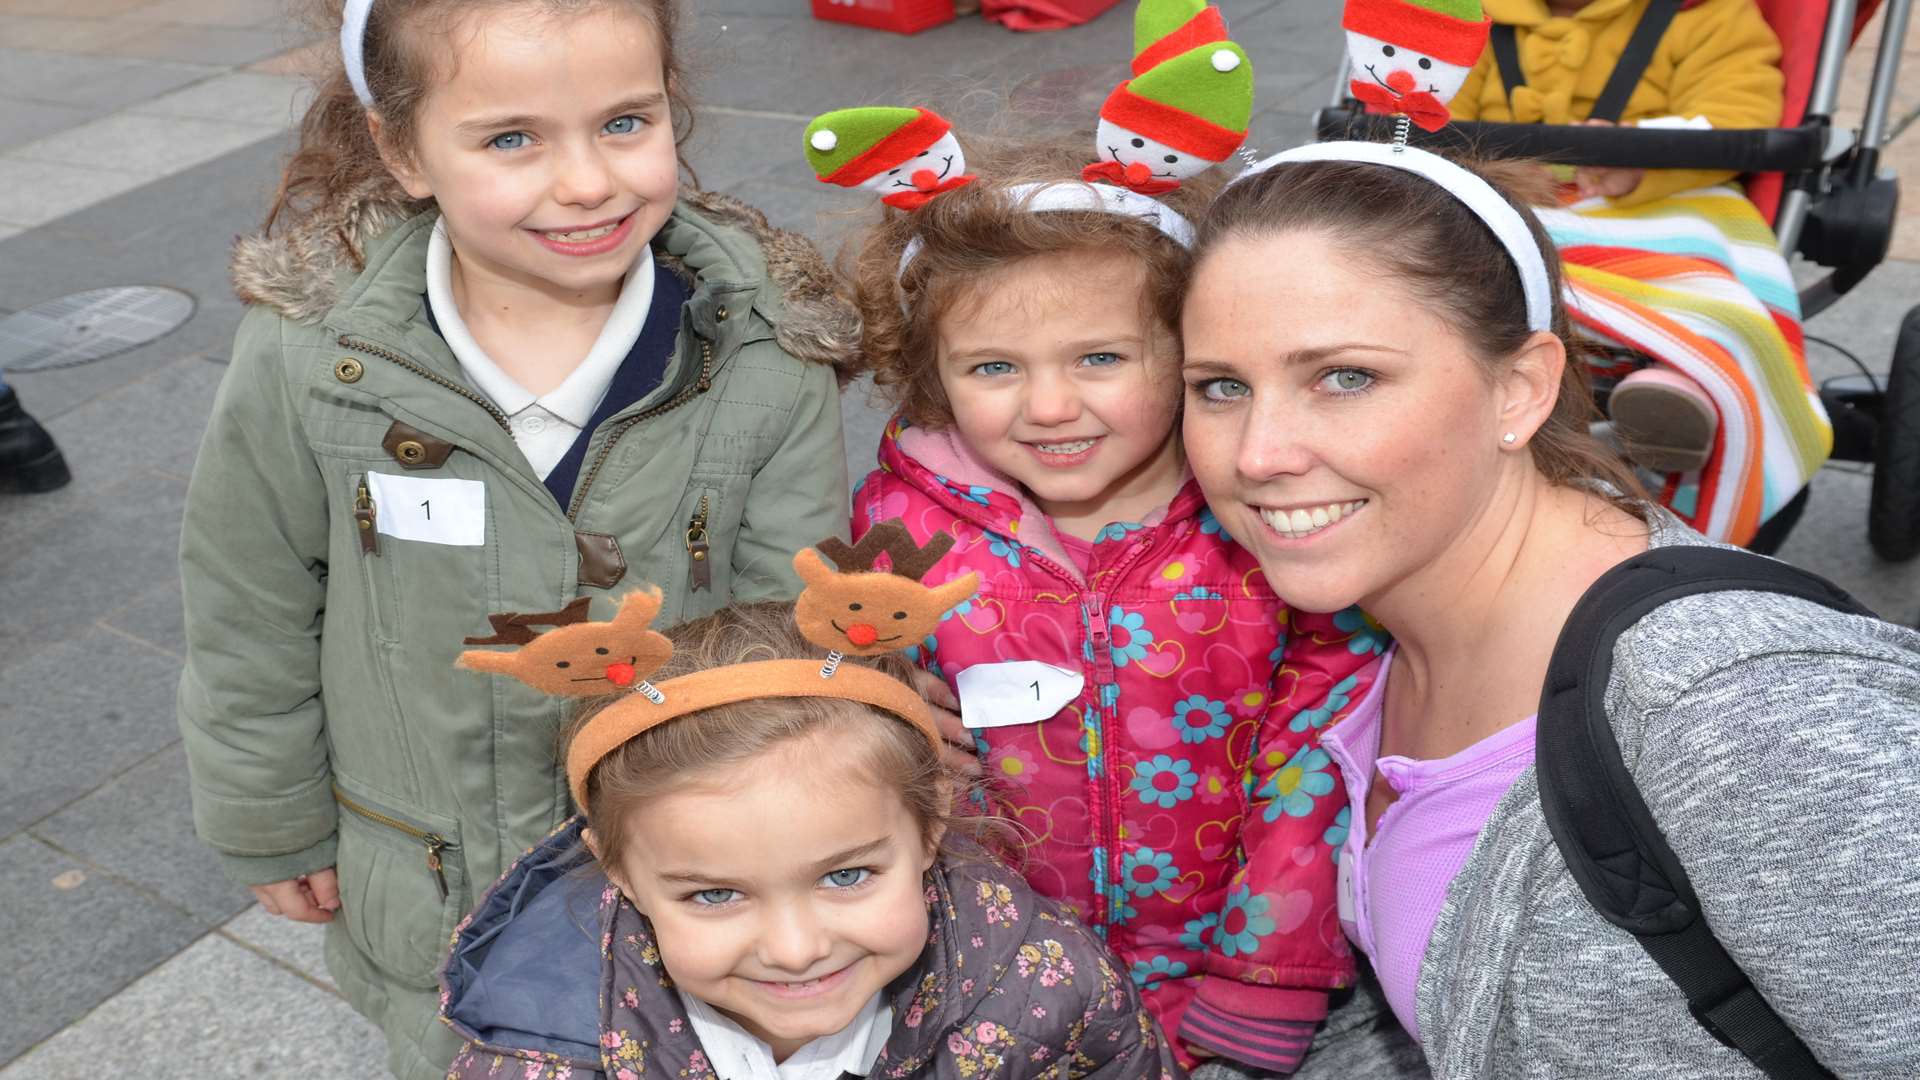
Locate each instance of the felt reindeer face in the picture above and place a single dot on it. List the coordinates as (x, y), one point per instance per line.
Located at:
(863, 612)
(577, 658)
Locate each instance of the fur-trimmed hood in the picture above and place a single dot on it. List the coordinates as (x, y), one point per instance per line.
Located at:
(303, 271)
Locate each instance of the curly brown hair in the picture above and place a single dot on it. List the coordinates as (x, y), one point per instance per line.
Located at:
(337, 158)
(972, 232)
(1402, 217)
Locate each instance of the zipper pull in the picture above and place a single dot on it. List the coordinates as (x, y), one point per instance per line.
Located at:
(701, 571)
(434, 844)
(1097, 630)
(364, 516)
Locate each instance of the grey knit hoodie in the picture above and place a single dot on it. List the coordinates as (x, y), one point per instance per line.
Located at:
(1776, 743)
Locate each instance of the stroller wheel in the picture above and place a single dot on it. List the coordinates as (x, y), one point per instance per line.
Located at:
(1893, 515)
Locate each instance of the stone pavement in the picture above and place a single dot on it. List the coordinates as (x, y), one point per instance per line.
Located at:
(139, 137)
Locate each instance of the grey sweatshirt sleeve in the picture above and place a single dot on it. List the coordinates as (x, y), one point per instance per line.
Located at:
(1783, 781)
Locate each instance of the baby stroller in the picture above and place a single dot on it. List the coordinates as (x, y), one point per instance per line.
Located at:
(1824, 192)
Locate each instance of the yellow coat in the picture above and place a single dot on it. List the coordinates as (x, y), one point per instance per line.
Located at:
(1719, 59)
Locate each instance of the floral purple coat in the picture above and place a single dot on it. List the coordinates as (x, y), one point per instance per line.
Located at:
(1181, 804)
(556, 977)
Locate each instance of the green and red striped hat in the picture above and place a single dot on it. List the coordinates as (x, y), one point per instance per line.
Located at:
(1199, 102)
(849, 146)
(1163, 29)
(1450, 31)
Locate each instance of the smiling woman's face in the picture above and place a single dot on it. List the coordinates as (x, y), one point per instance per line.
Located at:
(1342, 432)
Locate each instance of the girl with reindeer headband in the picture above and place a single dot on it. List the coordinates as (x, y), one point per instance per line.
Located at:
(765, 882)
(1139, 697)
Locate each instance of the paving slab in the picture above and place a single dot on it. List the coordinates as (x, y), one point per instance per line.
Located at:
(139, 827)
(149, 147)
(73, 9)
(300, 946)
(36, 192)
(210, 12)
(223, 46)
(96, 82)
(23, 121)
(90, 936)
(75, 714)
(53, 33)
(155, 618)
(214, 1012)
(238, 97)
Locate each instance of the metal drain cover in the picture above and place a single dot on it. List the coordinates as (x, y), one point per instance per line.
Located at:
(89, 326)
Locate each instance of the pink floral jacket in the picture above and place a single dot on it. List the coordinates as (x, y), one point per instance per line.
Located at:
(1181, 805)
(555, 976)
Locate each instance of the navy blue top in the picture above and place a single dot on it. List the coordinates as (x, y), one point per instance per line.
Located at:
(638, 375)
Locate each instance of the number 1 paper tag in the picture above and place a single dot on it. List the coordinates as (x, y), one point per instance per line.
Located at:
(1016, 692)
(435, 511)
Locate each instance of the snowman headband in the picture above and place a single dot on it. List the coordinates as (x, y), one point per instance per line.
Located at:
(1050, 195)
(1487, 204)
(353, 38)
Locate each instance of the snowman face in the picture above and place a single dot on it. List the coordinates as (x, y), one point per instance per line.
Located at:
(943, 159)
(1116, 143)
(1378, 60)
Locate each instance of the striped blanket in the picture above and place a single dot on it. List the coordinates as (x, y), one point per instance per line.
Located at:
(1696, 282)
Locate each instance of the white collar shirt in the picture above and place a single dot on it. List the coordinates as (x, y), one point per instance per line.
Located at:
(543, 426)
(736, 1054)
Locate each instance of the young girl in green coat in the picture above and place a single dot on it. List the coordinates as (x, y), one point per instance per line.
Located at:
(498, 367)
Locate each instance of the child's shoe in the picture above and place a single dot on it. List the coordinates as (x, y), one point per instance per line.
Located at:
(29, 462)
(1666, 422)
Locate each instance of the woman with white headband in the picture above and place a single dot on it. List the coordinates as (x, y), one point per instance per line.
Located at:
(1381, 405)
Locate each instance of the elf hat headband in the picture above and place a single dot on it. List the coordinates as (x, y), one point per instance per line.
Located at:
(1049, 195)
(854, 610)
(1487, 204)
(353, 37)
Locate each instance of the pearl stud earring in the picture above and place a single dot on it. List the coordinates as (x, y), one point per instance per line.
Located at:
(1509, 438)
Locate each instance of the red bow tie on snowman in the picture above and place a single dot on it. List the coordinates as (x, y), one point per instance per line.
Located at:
(1412, 56)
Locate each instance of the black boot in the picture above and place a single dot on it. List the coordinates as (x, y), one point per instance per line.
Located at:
(29, 462)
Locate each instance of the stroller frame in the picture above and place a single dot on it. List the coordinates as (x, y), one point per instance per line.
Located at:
(1836, 210)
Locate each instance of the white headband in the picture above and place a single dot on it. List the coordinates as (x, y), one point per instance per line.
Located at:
(1487, 204)
(353, 37)
(1077, 195)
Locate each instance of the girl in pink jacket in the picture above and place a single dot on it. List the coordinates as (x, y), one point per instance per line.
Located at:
(1146, 706)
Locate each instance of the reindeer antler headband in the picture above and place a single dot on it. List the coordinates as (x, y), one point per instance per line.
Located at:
(852, 610)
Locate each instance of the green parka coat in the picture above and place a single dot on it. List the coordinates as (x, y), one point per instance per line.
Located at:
(325, 722)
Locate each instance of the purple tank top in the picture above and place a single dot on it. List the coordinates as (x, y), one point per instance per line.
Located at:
(1392, 888)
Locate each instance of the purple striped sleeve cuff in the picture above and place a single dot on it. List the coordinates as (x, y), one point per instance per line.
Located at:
(1270, 1044)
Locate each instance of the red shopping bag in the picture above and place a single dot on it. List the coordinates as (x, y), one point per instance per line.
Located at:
(899, 16)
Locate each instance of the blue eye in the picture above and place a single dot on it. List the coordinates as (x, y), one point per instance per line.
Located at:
(622, 125)
(847, 878)
(511, 140)
(993, 367)
(714, 897)
(1348, 381)
(1221, 390)
(1101, 359)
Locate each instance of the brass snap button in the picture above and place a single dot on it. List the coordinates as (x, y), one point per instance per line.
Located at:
(410, 452)
(721, 313)
(348, 370)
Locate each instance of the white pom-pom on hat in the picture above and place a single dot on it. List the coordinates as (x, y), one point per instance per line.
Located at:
(824, 140)
(1225, 60)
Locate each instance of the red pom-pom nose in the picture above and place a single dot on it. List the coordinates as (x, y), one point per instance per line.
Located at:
(1400, 82)
(1138, 173)
(862, 635)
(926, 180)
(620, 674)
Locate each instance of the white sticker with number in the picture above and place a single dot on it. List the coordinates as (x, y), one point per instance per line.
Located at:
(433, 511)
(1016, 692)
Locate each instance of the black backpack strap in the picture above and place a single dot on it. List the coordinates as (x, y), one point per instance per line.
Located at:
(1634, 60)
(1506, 57)
(1601, 824)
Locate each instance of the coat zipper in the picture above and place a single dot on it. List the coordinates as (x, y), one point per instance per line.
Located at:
(365, 515)
(697, 550)
(704, 384)
(434, 841)
(347, 341)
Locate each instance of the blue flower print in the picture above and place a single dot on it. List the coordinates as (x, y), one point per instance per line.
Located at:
(1116, 530)
(1005, 548)
(1210, 526)
(1198, 719)
(1132, 625)
(1301, 780)
(1148, 872)
(1243, 922)
(960, 608)
(1369, 637)
(973, 493)
(1166, 782)
(1279, 648)
(1199, 931)
(1200, 592)
(1336, 834)
(1337, 699)
(1148, 974)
